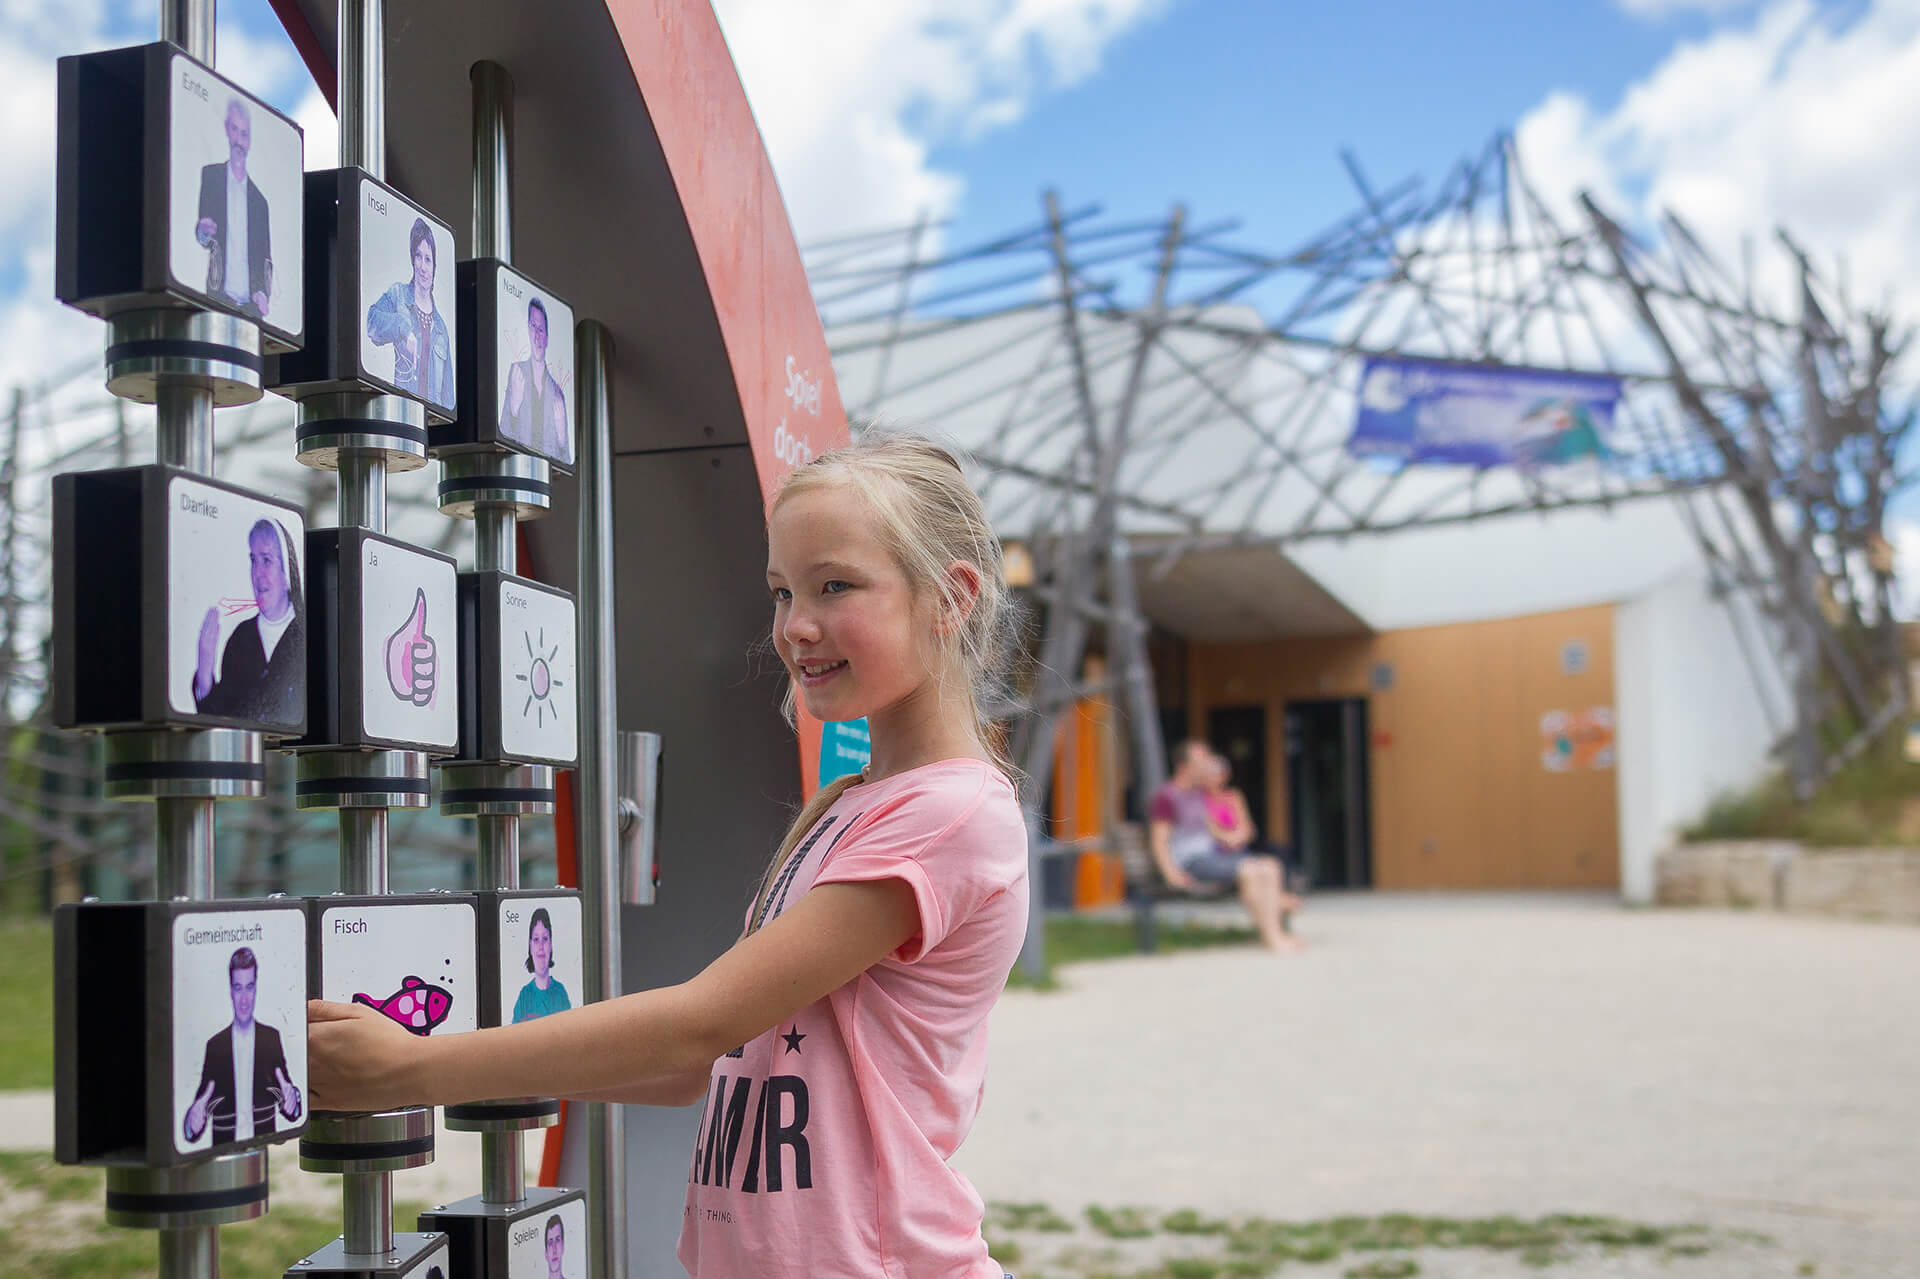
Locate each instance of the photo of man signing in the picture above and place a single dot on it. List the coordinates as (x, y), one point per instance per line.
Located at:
(244, 1061)
(233, 225)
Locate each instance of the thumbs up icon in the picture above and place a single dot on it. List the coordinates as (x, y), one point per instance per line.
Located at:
(411, 669)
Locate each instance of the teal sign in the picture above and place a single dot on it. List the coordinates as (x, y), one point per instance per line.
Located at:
(844, 748)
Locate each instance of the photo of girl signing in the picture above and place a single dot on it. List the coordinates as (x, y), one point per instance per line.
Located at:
(544, 994)
(852, 1010)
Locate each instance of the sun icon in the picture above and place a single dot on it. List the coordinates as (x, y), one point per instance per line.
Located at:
(539, 679)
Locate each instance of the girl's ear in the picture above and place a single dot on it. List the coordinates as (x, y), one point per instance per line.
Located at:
(957, 600)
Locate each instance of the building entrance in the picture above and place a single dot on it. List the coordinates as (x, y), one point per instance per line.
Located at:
(1328, 801)
(1240, 734)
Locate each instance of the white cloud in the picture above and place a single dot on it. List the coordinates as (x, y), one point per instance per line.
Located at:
(853, 95)
(1667, 8)
(1793, 117)
(1796, 118)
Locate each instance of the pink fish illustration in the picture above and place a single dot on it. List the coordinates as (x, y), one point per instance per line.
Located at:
(416, 1005)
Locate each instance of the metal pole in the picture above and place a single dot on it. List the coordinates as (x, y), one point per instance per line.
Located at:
(363, 78)
(495, 536)
(364, 861)
(363, 491)
(183, 862)
(492, 161)
(183, 852)
(366, 1198)
(597, 786)
(366, 1219)
(189, 24)
(190, 1254)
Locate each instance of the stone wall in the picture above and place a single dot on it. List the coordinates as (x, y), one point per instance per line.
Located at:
(1853, 883)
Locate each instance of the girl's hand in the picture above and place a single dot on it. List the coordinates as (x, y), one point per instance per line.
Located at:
(359, 1059)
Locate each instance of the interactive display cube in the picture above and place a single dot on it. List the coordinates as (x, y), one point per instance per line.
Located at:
(180, 1029)
(518, 685)
(177, 601)
(414, 1256)
(412, 958)
(516, 367)
(531, 956)
(176, 187)
(386, 655)
(543, 1234)
(381, 314)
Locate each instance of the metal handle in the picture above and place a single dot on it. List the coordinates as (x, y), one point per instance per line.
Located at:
(639, 816)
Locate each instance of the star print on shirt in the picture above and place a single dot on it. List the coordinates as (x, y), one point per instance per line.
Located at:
(793, 1038)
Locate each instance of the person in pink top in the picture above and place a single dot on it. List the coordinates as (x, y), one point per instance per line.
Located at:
(841, 1043)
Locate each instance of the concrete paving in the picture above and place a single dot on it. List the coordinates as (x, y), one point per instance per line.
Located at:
(1478, 1056)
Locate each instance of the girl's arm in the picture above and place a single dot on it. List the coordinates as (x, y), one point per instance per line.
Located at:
(674, 1090)
(359, 1059)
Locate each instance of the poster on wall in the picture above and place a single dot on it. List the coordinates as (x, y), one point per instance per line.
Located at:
(1438, 413)
(535, 352)
(541, 965)
(236, 630)
(551, 1245)
(239, 1026)
(413, 963)
(1573, 741)
(407, 282)
(408, 650)
(234, 218)
(538, 688)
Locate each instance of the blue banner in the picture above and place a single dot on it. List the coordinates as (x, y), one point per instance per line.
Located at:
(1436, 413)
(844, 748)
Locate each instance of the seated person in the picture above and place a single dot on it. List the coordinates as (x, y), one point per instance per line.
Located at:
(1180, 835)
(1231, 823)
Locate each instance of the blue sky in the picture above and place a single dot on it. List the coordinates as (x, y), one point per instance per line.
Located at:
(1241, 109)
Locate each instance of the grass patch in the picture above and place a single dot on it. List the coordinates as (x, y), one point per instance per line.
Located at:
(1027, 1216)
(56, 1228)
(1873, 801)
(1385, 1268)
(1133, 1243)
(26, 1004)
(1120, 1223)
(1074, 940)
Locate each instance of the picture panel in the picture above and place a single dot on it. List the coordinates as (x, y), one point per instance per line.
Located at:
(416, 964)
(550, 1245)
(409, 650)
(541, 958)
(538, 689)
(535, 353)
(236, 624)
(408, 333)
(239, 1026)
(234, 220)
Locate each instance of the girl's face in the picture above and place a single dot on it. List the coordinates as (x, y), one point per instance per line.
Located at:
(845, 621)
(540, 944)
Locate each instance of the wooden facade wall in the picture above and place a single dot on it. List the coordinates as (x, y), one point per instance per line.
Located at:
(1460, 795)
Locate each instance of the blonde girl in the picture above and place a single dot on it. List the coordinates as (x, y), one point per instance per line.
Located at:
(840, 1044)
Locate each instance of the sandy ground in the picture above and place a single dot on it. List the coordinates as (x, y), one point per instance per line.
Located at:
(1473, 1056)
(1456, 1056)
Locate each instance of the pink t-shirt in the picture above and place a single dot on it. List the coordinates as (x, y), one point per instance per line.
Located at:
(824, 1145)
